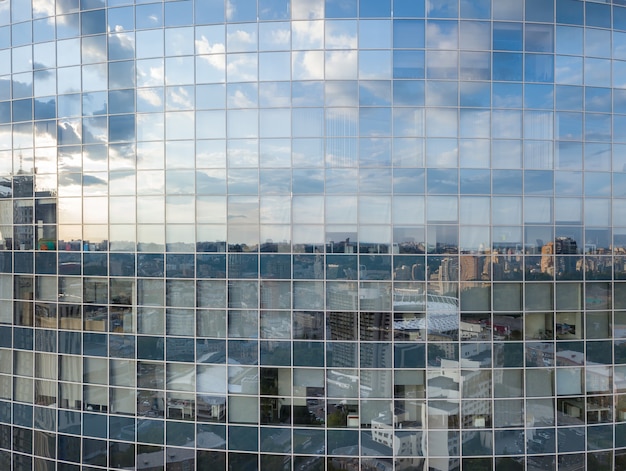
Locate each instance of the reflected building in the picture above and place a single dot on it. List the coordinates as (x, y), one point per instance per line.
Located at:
(552, 259)
(313, 235)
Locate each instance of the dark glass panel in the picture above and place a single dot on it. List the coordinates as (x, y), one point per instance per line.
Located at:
(122, 455)
(68, 448)
(243, 438)
(570, 12)
(507, 66)
(150, 265)
(598, 15)
(94, 452)
(408, 8)
(93, 22)
(179, 349)
(95, 344)
(150, 348)
(95, 425)
(379, 9)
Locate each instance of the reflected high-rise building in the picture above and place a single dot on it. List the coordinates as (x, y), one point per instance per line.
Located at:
(310, 235)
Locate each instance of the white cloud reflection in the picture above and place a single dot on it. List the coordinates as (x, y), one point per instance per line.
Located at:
(307, 9)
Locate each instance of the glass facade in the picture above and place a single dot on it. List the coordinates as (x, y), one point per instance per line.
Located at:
(313, 235)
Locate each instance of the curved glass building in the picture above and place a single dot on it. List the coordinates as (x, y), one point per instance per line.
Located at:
(313, 235)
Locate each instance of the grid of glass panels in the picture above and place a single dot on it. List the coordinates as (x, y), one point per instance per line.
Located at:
(313, 234)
